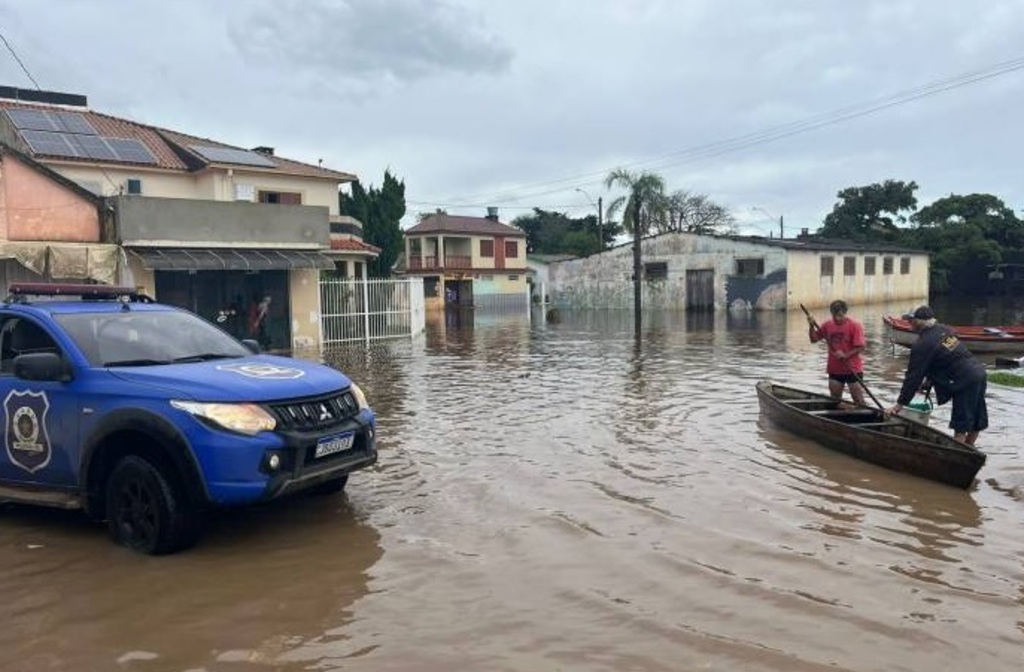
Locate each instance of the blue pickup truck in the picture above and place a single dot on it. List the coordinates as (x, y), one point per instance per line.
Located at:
(145, 415)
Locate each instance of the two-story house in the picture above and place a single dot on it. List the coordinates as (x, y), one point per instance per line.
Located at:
(192, 221)
(468, 261)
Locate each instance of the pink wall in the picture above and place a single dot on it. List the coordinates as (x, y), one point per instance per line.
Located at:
(34, 207)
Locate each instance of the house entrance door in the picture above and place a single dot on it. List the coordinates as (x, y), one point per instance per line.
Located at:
(700, 290)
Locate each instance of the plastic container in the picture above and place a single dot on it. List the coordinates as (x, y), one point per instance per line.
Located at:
(918, 410)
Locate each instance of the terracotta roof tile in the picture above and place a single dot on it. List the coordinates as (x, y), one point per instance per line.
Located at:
(170, 148)
(352, 245)
(469, 225)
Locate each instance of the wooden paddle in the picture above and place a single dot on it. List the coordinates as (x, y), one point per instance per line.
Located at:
(860, 377)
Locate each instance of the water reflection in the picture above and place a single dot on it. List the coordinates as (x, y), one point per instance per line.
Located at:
(552, 494)
(262, 583)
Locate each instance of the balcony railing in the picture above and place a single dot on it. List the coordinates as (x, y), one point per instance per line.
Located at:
(451, 261)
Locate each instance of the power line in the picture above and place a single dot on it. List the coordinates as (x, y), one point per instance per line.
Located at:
(713, 149)
(15, 55)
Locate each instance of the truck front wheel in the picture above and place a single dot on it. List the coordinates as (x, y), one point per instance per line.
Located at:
(146, 512)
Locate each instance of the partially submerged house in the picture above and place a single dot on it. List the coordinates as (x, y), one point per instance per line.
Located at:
(467, 261)
(195, 222)
(684, 271)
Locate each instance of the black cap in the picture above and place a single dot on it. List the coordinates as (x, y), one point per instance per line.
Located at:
(924, 313)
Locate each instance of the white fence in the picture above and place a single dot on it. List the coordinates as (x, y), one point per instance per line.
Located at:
(371, 309)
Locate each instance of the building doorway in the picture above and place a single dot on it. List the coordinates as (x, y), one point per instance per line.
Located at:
(231, 300)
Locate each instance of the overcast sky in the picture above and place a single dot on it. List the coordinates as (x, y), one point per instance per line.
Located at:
(520, 103)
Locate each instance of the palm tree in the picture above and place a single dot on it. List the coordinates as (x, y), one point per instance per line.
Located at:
(644, 206)
(646, 196)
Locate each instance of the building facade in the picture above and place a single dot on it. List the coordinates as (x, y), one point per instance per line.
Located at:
(682, 271)
(475, 262)
(195, 222)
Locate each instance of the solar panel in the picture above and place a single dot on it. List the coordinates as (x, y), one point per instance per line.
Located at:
(72, 122)
(130, 150)
(47, 120)
(242, 157)
(33, 120)
(93, 147)
(50, 144)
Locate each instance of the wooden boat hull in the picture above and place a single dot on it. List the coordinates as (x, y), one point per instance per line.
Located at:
(977, 339)
(868, 434)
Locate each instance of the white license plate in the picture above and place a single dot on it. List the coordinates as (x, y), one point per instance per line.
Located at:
(334, 444)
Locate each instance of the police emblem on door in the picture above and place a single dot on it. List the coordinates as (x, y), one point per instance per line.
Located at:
(25, 436)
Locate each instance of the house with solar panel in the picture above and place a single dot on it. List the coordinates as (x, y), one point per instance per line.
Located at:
(477, 262)
(215, 228)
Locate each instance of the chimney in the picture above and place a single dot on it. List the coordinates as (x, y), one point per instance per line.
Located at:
(35, 96)
(492, 213)
(265, 151)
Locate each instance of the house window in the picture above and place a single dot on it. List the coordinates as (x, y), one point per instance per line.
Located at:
(656, 270)
(487, 278)
(887, 265)
(357, 269)
(904, 265)
(828, 266)
(849, 265)
(750, 268)
(511, 249)
(281, 197)
(869, 265)
(513, 278)
(486, 248)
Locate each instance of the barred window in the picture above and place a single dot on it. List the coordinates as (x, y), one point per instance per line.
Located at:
(904, 265)
(750, 268)
(828, 266)
(849, 265)
(486, 248)
(869, 265)
(887, 265)
(656, 270)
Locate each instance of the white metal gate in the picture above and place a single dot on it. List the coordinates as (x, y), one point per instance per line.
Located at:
(370, 309)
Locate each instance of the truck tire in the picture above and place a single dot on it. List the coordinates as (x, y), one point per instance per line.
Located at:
(146, 512)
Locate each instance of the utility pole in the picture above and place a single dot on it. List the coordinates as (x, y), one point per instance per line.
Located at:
(600, 224)
(782, 230)
(636, 266)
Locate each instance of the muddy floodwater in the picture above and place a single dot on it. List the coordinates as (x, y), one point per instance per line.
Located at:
(552, 496)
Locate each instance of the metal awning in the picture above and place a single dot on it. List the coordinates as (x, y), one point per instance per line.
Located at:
(223, 259)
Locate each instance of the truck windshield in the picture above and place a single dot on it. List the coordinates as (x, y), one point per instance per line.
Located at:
(150, 337)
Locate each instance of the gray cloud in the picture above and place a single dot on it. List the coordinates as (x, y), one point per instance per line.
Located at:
(433, 91)
(404, 40)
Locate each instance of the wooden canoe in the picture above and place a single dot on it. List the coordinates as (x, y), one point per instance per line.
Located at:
(866, 433)
(977, 339)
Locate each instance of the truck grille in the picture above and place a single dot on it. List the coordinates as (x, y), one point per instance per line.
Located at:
(315, 413)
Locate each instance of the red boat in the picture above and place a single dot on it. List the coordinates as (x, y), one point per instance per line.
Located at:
(977, 339)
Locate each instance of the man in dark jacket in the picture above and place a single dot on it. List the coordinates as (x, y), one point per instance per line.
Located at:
(939, 359)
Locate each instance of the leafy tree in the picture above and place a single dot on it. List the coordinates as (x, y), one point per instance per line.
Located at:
(965, 236)
(996, 221)
(871, 212)
(550, 232)
(646, 196)
(380, 211)
(694, 213)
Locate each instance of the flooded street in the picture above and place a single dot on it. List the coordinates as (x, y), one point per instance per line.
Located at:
(551, 496)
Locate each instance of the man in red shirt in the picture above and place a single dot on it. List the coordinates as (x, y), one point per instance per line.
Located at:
(845, 339)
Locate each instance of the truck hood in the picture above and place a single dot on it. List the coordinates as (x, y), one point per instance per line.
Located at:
(257, 378)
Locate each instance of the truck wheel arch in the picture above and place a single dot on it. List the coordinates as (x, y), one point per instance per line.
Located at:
(143, 433)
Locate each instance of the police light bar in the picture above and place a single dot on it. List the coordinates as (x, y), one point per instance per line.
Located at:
(70, 289)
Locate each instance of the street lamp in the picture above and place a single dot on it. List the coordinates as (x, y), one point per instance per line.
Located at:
(600, 223)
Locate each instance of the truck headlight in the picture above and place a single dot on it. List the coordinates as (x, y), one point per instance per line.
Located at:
(357, 392)
(248, 419)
